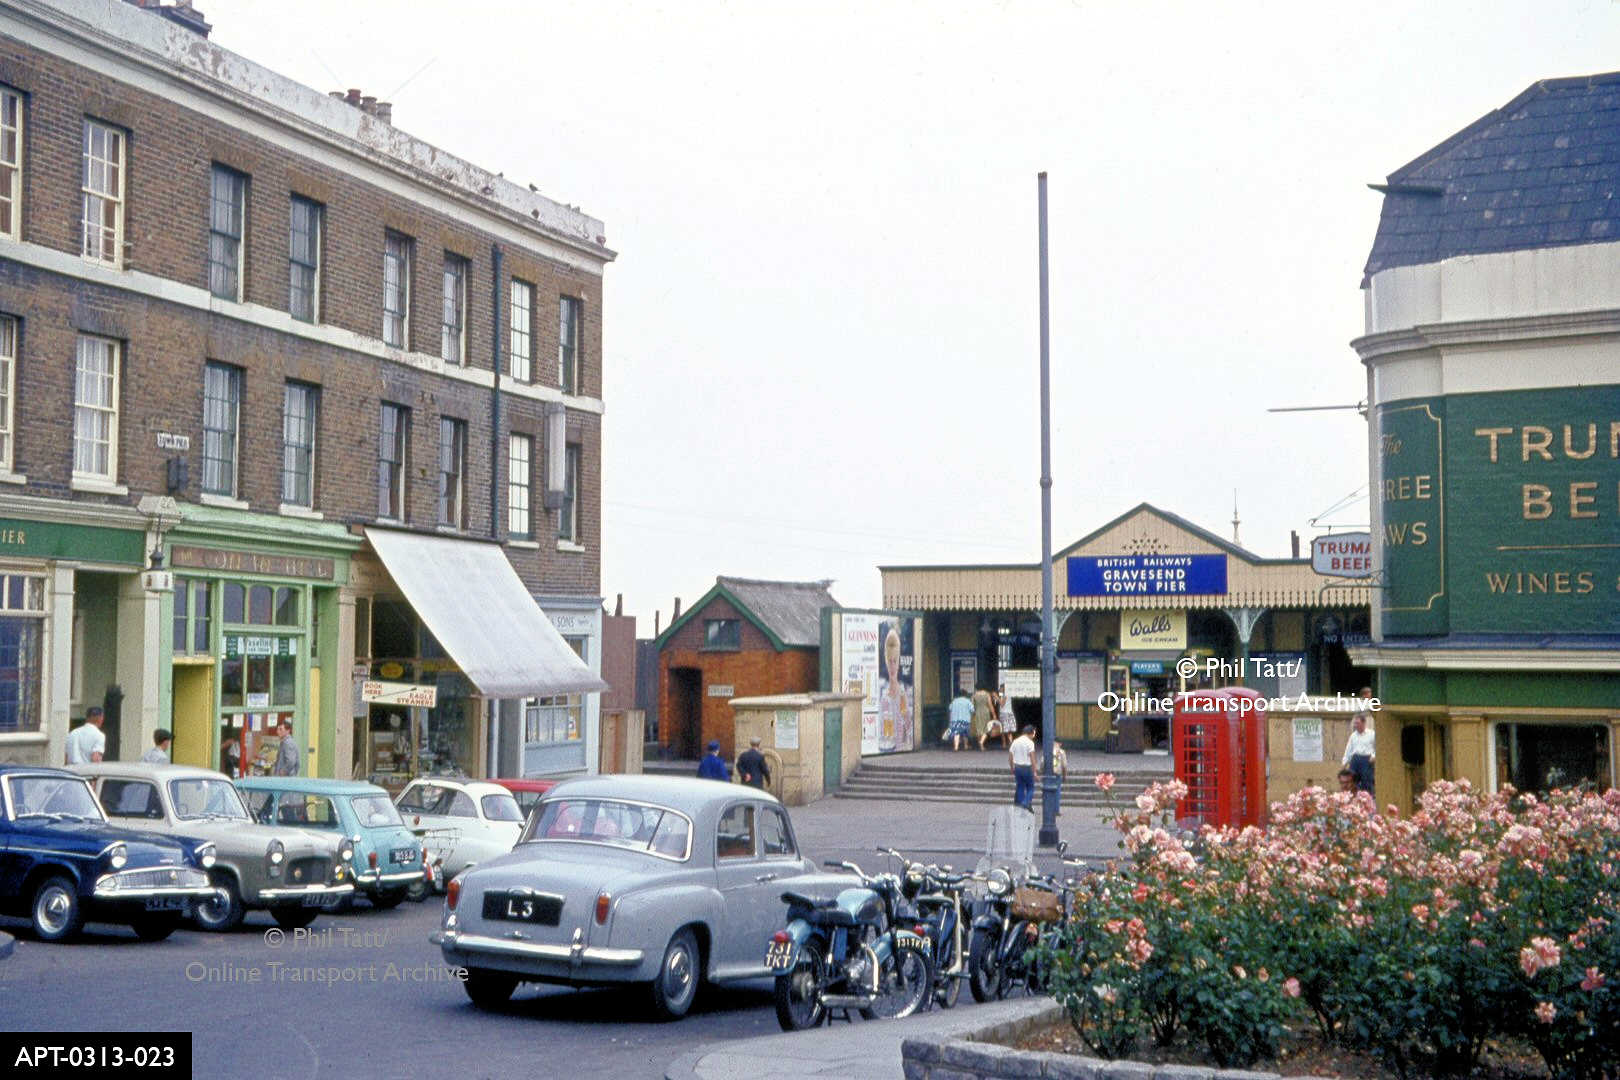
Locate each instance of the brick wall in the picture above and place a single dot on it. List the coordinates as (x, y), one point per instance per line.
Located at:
(170, 151)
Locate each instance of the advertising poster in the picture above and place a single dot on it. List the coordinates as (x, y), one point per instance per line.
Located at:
(860, 658)
(896, 686)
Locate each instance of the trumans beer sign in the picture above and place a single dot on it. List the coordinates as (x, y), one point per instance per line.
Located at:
(1346, 555)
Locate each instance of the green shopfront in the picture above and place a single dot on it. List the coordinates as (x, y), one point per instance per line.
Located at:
(1497, 517)
(253, 636)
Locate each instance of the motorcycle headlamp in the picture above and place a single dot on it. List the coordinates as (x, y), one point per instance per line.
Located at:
(998, 882)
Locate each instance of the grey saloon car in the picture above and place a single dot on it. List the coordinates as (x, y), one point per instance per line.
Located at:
(663, 881)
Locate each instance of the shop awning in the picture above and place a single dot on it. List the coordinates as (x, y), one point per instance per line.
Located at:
(475, 605)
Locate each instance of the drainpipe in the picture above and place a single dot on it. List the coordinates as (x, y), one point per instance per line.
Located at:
(495, 404)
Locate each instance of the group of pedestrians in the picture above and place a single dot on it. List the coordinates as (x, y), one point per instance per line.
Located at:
(752, 768)
(984, 717)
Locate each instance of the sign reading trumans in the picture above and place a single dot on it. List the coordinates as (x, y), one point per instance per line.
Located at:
(1343, 555)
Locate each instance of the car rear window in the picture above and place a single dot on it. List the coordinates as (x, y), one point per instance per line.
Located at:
(652, 829)
(375, 811)
(501, 808)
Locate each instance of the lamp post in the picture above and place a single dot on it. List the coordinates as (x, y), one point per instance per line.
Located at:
(1049, 782)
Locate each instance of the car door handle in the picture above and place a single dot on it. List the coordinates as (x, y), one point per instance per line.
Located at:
(763, 878)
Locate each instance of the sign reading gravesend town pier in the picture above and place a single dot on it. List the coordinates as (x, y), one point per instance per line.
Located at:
(1501, 512)
(250, 562)
(1147, 575)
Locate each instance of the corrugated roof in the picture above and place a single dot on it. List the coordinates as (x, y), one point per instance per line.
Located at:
(790, 609)
(1541, 171)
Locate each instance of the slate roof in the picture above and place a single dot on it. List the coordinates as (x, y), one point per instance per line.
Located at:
(789, 609)
(1541, 171)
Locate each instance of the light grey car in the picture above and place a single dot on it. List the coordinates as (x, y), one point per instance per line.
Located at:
(294, 873)
(664, 881)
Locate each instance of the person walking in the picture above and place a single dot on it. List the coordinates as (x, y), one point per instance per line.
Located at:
(1021, 759)
(1360, 751)
(713, 766)
(158, 752)
(87, 744)
(1005, 716)
(287, 752)
(751, 766)
(983, 713)
(961, 726)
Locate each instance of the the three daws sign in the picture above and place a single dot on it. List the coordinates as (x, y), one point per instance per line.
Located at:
(1500, 512)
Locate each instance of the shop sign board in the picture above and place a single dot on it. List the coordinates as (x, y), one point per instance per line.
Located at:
(92, 543)
(189, 556)
(1345, 555)
(1152, 629)
(1500, 511)
(392, 693)
(573, 622)
(240, 645)
(1147, 575)
(725, 690)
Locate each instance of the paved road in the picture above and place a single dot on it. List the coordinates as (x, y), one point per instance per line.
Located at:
(259, 1008)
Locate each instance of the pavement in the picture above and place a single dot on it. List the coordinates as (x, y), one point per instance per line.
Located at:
(860, 1050)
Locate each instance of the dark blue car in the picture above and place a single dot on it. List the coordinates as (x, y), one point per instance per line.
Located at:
(62, 865)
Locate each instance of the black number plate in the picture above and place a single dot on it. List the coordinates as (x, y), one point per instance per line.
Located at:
(320, 901)
(165, 903)
(402, 855)
(779, 955)
(539, 908)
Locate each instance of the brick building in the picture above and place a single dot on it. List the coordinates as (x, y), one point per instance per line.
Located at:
(345, 387)
(742, 638)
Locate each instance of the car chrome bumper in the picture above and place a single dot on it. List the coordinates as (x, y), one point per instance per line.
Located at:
(202, 893)
(395, 877)
(145, 883)
(300, 892)
(574, 954)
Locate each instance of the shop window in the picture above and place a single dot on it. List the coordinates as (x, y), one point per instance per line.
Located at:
(230, 684)
(722, 634)
(22, 598)
(259, 605)
(556, 719)
(235, 613)
(284, 677)
(393, 629)
(182, 613)
(286, 606)
(191, 616)
(1541, 757)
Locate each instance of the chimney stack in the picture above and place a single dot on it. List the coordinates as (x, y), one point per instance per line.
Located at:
(385, 112)
(1294, 534)
(352, 97)
(677, 614)
(368, 105)
(618, 605)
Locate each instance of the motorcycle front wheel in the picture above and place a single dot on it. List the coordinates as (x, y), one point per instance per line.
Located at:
(948, 987)
(798, 991)
(984, 971)
(905, 983)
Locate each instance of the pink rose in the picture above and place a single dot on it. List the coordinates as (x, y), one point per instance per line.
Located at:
(1145, 803)
(1105, 781)
(1291, 987)
(1546, 1011)
(1593, 981)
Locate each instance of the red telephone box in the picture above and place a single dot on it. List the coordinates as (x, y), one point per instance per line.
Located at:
(1219, 741)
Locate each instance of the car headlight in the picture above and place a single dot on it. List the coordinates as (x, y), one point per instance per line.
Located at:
(346, 850)
(118, 856)
(207, 855)
(998, 882)
(274, 856)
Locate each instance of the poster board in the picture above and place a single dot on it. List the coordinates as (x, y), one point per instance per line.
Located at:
(1081, 677)
(878, 660)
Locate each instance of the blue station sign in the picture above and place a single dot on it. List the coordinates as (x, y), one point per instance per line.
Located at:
(1147, 575)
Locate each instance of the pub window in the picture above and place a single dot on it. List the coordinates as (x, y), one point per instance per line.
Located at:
(259, 605)
(22, 624)
(191, 616)
(1542, 757)
(286, 606)
(235, 603)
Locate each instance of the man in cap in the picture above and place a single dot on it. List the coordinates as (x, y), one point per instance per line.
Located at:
(751, 766)
(713, 766)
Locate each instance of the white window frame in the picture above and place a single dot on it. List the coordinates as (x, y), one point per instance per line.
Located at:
(229, 437)
(520, 365)
(397, 259)
(570, 316)
(402, 440)
(11, 163)
(543, 717)
(35, 607)
(103, 183)
(453, 317)
(82, 410)
(568, 514)
(309, 395)
(9, 333)
(294, 264)
(519, 486)
(234, 206)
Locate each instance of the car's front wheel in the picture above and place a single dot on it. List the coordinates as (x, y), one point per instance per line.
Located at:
(294, 918)
(224, 911)
(56, 912)
(489, 989)
(675, 986)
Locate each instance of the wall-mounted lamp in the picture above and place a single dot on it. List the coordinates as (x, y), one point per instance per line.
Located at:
(155, 578)
(165, 514)
(556, 455)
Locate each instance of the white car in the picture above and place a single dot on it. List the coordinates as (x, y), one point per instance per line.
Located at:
(461, 822)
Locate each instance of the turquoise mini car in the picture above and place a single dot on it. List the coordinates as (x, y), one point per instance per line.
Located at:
(387, 855)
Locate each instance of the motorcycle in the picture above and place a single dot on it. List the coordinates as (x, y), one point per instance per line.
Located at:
(848, 953)
(938, 895)
(1006, 923)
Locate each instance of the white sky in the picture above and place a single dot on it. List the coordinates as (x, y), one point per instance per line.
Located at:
(821, 335)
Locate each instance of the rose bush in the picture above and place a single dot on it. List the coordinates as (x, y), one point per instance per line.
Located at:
(1421, 938)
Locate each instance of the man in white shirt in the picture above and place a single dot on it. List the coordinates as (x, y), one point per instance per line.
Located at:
(158, 752)
(1359, 753)
(1021, 757)
(87, 743)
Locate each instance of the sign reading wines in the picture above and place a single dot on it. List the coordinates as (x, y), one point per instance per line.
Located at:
(1501, 512)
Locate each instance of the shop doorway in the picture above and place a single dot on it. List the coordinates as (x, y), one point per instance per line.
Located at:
(686, 708)
(192, 725)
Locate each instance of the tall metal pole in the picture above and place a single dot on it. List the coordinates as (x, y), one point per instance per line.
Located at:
(1049, 782)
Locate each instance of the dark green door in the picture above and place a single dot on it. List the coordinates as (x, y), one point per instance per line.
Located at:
(832, 749)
